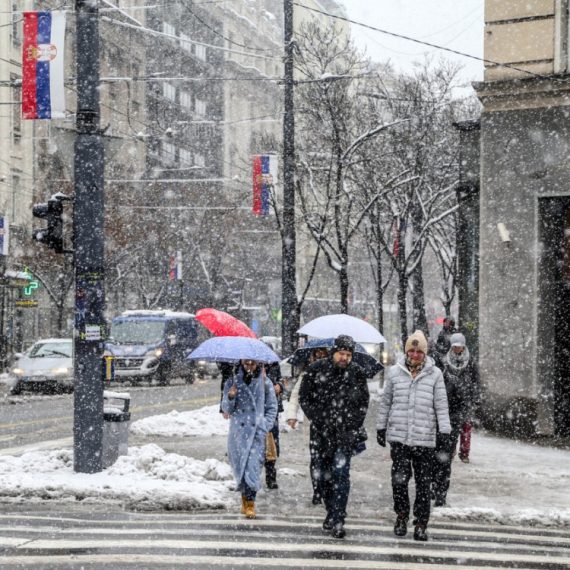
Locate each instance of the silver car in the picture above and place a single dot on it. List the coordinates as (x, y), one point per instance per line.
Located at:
(47, 365)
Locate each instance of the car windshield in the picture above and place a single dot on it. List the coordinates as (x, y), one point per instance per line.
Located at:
(51, 350)
(137, 332)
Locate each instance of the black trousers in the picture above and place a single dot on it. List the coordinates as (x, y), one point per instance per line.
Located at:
(270, 469)
(442, 463)
(404, 460)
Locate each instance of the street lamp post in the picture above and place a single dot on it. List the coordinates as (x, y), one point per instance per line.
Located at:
(89, 330)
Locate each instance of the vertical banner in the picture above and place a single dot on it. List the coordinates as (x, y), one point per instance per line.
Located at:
(176, 265)
(43, 93)
(4, 236)
(265, 169)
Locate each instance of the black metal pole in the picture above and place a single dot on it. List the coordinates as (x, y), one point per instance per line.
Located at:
(88, 242)
(289, 303)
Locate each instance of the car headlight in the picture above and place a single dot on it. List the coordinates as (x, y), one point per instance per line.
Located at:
(17, 371)
(61, 370)
(156, 352)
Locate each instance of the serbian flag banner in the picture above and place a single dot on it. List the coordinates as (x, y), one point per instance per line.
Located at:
(176, 265)
(43, 95)
(264, 178)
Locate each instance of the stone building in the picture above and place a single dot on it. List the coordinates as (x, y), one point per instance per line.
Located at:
(524, 284)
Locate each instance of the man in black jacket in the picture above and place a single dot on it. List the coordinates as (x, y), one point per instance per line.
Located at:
(443, 340)
(334, 396)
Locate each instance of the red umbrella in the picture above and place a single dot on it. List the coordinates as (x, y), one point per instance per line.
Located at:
(223, 324)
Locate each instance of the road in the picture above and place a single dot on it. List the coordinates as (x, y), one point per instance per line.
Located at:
(33, 419)
(67, 537)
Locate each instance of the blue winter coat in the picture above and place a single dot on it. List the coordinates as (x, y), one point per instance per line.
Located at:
(252, 414)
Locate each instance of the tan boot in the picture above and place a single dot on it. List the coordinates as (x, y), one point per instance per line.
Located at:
(250, 510)
(243, 501)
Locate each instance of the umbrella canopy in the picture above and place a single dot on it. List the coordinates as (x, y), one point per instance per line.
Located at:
(232, 349)
(335, 325)
(223, 324)
(368, 363)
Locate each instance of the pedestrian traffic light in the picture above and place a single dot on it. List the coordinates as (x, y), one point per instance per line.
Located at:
(52, 211)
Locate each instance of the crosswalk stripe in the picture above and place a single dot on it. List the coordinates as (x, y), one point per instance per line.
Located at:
(202, 561)
(42, 544)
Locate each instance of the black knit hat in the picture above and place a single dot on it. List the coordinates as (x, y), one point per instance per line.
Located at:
(343, 342)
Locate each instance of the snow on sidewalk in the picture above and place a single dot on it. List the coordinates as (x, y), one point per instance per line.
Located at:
(509, 482)
(148, 478)
(205, 421)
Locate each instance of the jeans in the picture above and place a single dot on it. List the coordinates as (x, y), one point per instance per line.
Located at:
(465, 443)
(442, 464)
(249, 493)
(270, 470)
(404, 459)
(333, 475)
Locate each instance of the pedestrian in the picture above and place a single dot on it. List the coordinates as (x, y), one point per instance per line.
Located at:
(250, 402)
(434, 354)
(334, 396)
(413, 402)
(291, 418)
(443, 340)
(273, 372)
(461, 376)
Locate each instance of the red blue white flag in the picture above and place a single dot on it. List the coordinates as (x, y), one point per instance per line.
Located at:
(43, 94)
(265, 168)
(176, 265)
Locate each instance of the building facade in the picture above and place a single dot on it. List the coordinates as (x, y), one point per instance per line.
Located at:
(524, 295)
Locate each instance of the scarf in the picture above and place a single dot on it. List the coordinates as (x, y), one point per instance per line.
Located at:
(457, 362)
(415, 369)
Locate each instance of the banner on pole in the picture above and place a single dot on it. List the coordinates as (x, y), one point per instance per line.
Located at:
(43, 93)
(4, 236)
(265, 170)
(176, 265)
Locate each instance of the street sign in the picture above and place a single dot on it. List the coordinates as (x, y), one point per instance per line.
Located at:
(26, 304)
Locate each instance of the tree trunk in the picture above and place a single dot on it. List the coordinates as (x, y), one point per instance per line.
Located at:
(60, 313)
(343, 278)
(402, 292)
(379, 292)
(419, 305)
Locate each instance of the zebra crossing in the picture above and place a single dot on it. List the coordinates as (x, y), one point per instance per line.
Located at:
(118, 540)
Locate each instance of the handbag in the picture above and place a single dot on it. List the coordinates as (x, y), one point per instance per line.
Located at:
(270, 447)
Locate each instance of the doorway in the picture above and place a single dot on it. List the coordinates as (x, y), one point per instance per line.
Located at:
(554, 309)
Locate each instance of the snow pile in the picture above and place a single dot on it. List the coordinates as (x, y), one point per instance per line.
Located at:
(205, 421)
(531, 517)
(147, 479)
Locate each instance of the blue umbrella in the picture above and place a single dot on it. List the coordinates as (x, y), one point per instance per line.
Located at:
(232, 349)
(369, 364)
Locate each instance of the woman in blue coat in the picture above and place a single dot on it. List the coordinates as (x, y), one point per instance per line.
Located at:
(249, 399)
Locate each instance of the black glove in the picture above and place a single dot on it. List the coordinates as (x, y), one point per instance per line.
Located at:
(381, 437)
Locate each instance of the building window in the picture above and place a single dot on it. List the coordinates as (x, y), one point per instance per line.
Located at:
(16, 109)
(185, 42)
(200, 160)
(200, 107)
(185, 157)
(201, 52)
(168, 29)
(16, 19)
(168, 151)
(169, 91)
(186, 100)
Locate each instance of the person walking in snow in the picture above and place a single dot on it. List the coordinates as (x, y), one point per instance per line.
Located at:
(291, 418)
(461, 378)
(334, 396)
(443, 340)
(413, 402)
(250, 402)
(273, 372)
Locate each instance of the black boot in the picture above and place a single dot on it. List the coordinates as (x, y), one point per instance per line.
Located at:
(401, 526)
(420, 533)
(271, 475)
(317, 500)
(328, 523)
(338, 530)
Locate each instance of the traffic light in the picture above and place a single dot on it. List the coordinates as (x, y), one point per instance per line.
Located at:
(52, 211)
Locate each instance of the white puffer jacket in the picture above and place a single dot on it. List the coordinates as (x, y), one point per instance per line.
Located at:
(409, 406)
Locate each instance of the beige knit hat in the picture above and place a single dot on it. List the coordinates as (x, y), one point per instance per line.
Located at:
(417, 341)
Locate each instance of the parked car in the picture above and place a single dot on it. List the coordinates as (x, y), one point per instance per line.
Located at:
(153, 346)
(47, 366)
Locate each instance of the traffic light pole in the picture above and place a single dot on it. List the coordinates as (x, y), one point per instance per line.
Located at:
(89, 330)
(289, 303)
